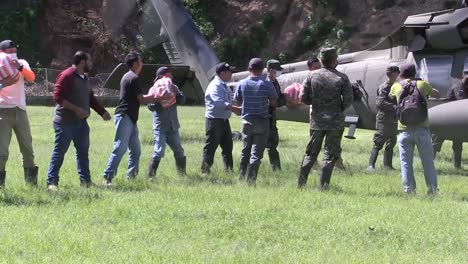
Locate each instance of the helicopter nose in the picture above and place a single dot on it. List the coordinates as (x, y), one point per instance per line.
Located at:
(450, 120)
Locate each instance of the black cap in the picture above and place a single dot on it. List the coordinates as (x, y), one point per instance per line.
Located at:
(6, 44)
(407, 70)
(256, 64)
(223, 66)
(393, 69)
(275, 65)
(161, 71)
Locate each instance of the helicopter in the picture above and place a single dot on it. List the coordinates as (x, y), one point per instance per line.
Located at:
(436, 43)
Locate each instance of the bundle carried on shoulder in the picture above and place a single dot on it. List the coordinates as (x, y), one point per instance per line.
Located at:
(7, 68)
(292, 94)
(162, 86)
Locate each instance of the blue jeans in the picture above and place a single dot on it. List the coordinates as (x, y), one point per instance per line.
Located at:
(65, 133)
(126, 136)
(172, 138)
(407, 139)
(255, 134)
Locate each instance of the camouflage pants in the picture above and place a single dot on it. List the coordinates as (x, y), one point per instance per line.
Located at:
(457, 148)
(385, 136)
(332, 148)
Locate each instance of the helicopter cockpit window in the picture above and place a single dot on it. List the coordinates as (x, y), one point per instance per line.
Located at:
(437, 71)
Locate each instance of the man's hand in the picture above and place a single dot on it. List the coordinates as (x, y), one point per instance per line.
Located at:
(81, 113)
(17, 64)
(165, 96)
(235, 109)
(106, 116)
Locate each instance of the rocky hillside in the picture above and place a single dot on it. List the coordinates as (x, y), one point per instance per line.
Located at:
(237, 29)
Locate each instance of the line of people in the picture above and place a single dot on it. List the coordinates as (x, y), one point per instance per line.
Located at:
(326, 90)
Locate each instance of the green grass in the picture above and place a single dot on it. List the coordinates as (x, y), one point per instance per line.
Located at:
(364, 218)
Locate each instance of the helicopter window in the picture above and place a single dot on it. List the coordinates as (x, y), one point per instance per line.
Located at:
(437, 71)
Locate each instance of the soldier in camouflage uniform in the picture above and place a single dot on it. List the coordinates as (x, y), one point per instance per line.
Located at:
(458, 92)
(386, 122)
(274, 70)
(329, 93)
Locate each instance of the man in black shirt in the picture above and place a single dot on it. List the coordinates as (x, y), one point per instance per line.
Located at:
(125, 119)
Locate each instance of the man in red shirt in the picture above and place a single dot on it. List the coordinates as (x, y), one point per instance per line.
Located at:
(74, 98)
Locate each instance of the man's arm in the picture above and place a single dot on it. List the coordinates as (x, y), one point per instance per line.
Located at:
(94, 104)
(238, 95)
(435, 93)
(346, 94)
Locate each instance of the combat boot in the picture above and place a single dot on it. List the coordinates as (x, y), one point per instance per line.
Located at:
(252, 171)
(242, 171)
(2, 179)
(30, 175)
(388, 159)
(303, 176)
(326, 176)
(457, 156)
(372, 160)
(274, 160)
(181, 165)
(228, 163)
(205, 168)
(152, 168)
(339, 164)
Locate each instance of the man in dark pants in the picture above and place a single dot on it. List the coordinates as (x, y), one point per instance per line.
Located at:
(256, 96)
(386, 122)
(218, 111)
(74, 97)
(274, 70)
(458, 92)
(329, 93)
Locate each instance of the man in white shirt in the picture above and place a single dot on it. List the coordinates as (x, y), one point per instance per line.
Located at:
(13, 117)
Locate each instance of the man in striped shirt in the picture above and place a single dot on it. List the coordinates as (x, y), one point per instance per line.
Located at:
(255, 95)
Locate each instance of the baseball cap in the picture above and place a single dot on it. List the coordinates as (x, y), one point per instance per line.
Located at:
(274, 64)
(223, 66)
(161, 71)
(6, 44)
(256, 64)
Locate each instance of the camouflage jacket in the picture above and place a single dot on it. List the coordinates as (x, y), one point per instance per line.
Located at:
(457, 92)
(386, 106)
(329, 93)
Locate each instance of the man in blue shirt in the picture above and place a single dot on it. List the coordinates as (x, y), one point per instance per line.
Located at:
(218, 111)
(255, 95)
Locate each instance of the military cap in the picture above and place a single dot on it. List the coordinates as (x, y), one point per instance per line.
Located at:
(256, 64)
(407, 70)
(274, 64)
(328, 53)
(392, 69)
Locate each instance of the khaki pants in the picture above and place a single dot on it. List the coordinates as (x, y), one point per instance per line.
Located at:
(15, 119)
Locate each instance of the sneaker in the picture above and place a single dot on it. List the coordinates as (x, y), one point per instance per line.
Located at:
(52, 188)
(370, 169)
(107, 183)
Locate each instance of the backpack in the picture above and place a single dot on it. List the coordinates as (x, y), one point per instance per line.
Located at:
(412, 107)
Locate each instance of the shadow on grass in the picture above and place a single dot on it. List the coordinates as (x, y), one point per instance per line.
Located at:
(40, 197)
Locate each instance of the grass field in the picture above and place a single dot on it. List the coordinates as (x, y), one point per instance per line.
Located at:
(364, 218)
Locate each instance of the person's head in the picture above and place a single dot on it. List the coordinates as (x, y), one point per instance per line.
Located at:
(256, 66)
(134, 61)
(9, 47)
(329, 57)
(392, 73)
(163, 72)
(274, 68)
(224, 71)
(408, 71)
(82, 61)
(313, 64)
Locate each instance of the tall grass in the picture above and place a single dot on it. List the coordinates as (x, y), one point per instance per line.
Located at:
(364, 218)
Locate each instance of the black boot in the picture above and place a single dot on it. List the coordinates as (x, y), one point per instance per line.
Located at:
(228, 163)
(373, 159)
(326, 176)
(388, 159)
(30, 175)
(306, 165)
(2, 179)
(181, 165)
(457, 156)
(252, 171)
(152, 168)
(274, 160)
(242, 171)
(205, 168)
